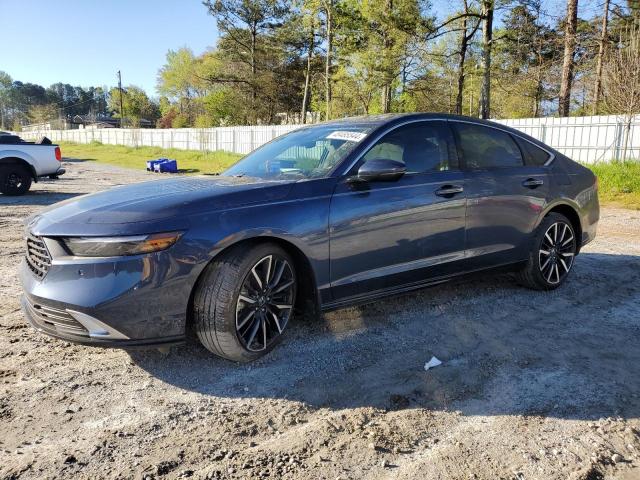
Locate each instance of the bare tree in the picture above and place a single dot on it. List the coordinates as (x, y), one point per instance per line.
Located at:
(621, 83)
(328, 6)
(539, 91)
(487, 39)
(571, 22)
(601, 50)
(465, 37)
(307, 73)
(387, 44)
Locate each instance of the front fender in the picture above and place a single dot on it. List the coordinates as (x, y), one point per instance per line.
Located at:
(257, 234)
(303, 224)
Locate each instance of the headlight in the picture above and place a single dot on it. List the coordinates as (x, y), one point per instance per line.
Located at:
(119, 246)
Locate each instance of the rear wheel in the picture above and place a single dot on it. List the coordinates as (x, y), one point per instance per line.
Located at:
(15, 179)
(244, 301)
(552, 256)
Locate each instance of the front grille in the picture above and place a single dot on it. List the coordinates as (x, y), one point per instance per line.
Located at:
(54, 318)
(38, 257)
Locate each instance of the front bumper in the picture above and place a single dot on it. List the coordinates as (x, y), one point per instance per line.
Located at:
(118, 302)
(64, 326)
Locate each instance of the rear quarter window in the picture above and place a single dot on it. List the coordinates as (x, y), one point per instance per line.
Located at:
(534, 156)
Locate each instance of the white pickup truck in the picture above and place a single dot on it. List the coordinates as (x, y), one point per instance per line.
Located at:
(23, 162)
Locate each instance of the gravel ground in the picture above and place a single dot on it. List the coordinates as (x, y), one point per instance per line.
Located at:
(533, 385)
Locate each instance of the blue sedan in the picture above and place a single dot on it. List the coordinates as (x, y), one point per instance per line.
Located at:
(326, 216)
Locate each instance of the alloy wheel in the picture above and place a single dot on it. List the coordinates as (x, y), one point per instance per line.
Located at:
(557, 252)
(265, 302)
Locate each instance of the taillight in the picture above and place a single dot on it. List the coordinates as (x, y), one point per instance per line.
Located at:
(595, 185)
(58, 154)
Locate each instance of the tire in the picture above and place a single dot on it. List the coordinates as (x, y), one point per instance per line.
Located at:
(552, 254)
(232, 301)
(15, 179)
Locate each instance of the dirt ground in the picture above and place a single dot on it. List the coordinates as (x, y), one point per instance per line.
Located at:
(532, 386)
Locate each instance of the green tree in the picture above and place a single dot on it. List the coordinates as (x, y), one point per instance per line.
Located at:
(244, 25)
(391, 24)
(525, 60)
(5, 96)
(136, 104)
(43, 113)
(177, 80)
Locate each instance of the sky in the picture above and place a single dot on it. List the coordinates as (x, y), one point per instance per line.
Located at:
(85, 42)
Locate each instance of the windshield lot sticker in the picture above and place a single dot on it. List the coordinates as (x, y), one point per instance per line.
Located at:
(347, 136)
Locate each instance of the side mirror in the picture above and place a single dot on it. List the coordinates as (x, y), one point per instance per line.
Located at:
(381, 170)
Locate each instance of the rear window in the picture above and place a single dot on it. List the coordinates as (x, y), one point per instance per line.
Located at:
(485, 147)
(533, 155)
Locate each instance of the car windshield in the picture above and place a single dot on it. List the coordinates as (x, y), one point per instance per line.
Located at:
(310, 152)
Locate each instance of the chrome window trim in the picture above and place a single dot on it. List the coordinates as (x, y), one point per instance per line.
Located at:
(552, 155)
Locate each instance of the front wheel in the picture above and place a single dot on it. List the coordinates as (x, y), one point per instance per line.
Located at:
(244, 301)
(552, 256)
(15, 179)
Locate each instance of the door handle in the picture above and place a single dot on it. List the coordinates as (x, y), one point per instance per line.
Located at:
(449, 190)
(532, 182)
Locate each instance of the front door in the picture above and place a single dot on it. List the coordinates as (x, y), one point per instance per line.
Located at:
(384, 234)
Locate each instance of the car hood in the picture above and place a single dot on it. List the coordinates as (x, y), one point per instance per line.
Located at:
(145, 204)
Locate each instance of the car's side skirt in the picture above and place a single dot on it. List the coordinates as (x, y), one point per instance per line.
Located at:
(395, 290)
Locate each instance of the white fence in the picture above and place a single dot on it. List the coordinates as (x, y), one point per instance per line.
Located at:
(231, 139)
(586, 139)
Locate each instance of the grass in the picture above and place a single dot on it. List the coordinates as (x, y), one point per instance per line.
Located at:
(619, 183)
(190, 161)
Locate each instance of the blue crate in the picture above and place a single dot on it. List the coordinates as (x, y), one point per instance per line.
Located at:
(152, 163)
(167, 166)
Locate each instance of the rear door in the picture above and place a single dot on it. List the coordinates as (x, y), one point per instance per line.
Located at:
(506, 193)
(385, 234)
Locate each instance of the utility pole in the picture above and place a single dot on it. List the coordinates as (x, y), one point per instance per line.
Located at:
(121, 107)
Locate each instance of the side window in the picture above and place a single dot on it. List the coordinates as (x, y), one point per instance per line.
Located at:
(486, 147)
(422, 147)
(533, 155)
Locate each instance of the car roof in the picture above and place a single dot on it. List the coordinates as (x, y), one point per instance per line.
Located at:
(389, 118)
(381, 121)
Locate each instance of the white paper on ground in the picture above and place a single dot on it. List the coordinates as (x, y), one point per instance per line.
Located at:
(434, 362)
